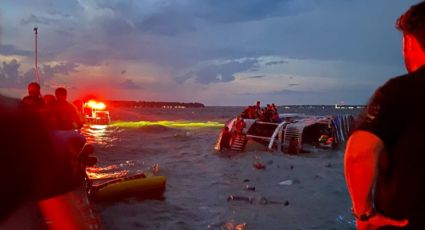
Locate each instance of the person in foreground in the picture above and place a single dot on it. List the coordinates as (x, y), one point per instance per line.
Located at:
(33, 100)
(42, 186)
(385, 155)
(66, 113)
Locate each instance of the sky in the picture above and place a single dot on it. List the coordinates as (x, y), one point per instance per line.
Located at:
(217, 52)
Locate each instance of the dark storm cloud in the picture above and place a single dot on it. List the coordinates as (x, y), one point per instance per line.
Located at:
(219, 73)
(49, 71)
(172, 20)
(293, 84)
(237, 11)
(179, 35)
(113, 26)
(89, 56)
(36, 20)
(256, 77)
(11, 74)
(57, 12)
(13, 50)
(282, 35)
(275, 62)
(174, 17)
(129, 84)
(132, 31)
(353, 31)
(169, 22)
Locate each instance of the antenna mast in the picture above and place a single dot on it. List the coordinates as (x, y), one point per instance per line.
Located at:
(37, 78)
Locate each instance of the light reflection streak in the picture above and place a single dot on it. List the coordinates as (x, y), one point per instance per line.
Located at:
(97, 134)
(171, 124)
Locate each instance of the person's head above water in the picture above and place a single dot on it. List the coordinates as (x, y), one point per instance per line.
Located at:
(34, 89)
(412, 24)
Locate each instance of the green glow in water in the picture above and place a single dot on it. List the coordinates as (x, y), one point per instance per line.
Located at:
(171, 124)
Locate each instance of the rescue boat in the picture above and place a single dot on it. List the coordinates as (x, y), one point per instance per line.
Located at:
(95, 113)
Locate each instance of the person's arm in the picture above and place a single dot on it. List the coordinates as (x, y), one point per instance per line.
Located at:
(361, 161)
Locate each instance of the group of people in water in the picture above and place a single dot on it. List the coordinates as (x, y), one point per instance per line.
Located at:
(57, 112)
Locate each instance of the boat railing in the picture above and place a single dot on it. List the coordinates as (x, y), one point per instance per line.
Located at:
(277, 132)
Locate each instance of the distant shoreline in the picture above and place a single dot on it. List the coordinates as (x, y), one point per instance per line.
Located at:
(182, 105)
(154, 104)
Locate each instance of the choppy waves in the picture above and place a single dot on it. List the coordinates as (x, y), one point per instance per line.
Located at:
(200, 180)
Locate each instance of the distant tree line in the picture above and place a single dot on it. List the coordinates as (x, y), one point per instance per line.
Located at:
(155, 104)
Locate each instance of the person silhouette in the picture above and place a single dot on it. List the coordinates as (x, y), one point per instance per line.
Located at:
(384, 158)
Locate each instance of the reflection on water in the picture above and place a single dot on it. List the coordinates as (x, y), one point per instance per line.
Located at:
(113, 171)
(230, 225)
(103, 136)
(99, 174)
(99, 134)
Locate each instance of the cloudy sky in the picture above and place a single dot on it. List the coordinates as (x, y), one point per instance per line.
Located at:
(218, 52)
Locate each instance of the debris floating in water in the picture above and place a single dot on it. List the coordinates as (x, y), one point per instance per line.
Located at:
(242, 198)
(286, 182)
(249, 188)
(259, 165)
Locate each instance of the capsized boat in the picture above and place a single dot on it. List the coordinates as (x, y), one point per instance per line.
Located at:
(305, 129)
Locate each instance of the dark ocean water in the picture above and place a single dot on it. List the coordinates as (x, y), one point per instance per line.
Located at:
(201, 182)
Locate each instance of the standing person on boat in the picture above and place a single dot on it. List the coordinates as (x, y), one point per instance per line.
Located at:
(238, 127)
(258, 111)
(66, 114)
(34, 99)
(238, 137)
(275, 114)
(384, 159)
(225, 138)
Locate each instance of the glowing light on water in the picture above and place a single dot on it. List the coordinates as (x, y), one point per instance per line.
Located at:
(172, 124)
(93, 175)
(98, 127)
(230, 225)
(98, 134)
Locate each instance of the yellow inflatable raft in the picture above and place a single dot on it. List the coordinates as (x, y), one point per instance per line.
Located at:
(138, 185)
